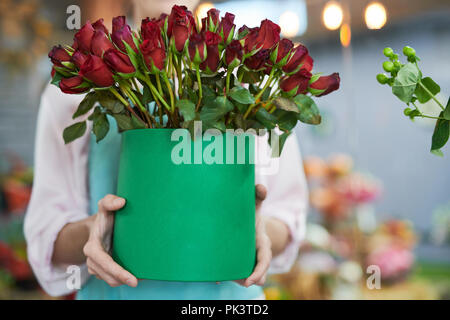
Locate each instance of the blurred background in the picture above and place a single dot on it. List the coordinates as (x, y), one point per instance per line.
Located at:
(378, 197)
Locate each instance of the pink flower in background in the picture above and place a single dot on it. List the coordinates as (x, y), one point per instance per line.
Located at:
(394, 262)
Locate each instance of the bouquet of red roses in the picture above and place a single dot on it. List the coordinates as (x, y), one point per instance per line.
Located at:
(176, 70)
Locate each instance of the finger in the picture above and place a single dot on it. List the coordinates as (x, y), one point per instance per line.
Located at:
(103, 275)
(264, 258)
(114, 270)
(260, 194)
(110, 203)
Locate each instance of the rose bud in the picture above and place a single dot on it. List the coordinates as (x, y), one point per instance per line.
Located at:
(299, 59)
(181, 24)
(150, 30)
(258, 61)
(100, 43)
(58, 55)
(122, 32)
(79, 58)
(161, 21)
(118, 61)
(73, 85)
(282, 52)
(226, 27)
(83, 38)
(154, 55)
(233, 54)
(95, 70)
(296, 83)
(264, 37)
(211, 21)
(197, 48)
(211, 63)
(98, 25)
(325, 85)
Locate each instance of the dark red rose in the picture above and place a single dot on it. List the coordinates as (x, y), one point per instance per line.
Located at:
(154, 55)
(264, 37)
(211, 20)
(150, 30)
(212, 41)
(122, 32)
(118, 23)
(83, 38)
(79, 58)
(53, 72)
(98, 25)
(100, 43)
(226, 27)
(161, 20)
(180, 26)
(57, 55)
(95, 70)
(197, 48)
(258, 60)
(325, 84)
(233, 53)
(69, 85)
(283, 49)
(300, 58)
(118, 61)
(296, 83)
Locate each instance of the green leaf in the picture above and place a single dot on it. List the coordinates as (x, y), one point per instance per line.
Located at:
(278, 142)
(209, 95)
(57, 79)
(125, 122)
(286, 104)
(132, 55)
(267, 119)
(441, 134)
(406, 82)
(309, 113)
(101, 125)
(241, 95)
(74, 131)
(86, 104)
(110, 102)
(446, 113)
(147, 95)
(248, 76)
(432, 86)
(286, 120)
(211, 113)
(187, 109)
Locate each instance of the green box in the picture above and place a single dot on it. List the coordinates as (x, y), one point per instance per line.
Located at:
(185, 222)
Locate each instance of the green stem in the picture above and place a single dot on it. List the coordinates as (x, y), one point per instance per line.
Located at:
(269, 81)
(424, 115)
(155, 91)
(431, 95)
(126, 103)
(169, 87)
(180, 78)
(228, 80)
(199, 82)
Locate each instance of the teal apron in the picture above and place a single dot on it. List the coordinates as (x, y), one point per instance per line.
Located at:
(103, 165)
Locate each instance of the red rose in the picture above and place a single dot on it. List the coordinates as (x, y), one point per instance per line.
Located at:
(154, 55)
(100, 43)
(258, 60)
(180, 26)
(79, 58)
(161, 20)
(325, 84)
(211, 20)
(122, 32)
(83, 38)
(69, 85)
(98, 25)
(150, 30)
(57, 55)
(300, 59)
(212, 41)
(197, 48)
(118, 61)
(97, 71)
(296, 83)
(226, 27)
(264, 37)
(233, 53)
(283, 49)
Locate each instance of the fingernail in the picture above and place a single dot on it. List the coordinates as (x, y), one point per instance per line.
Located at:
(119, 201)
(130, 282)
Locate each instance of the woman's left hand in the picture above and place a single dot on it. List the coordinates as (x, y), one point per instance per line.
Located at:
(263, 245)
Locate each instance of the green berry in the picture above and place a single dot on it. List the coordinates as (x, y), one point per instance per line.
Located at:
(382, 78)
(407, 111)
(397, 65)
(388, 52)
(388, 66)
(394, 57)
(409, 52)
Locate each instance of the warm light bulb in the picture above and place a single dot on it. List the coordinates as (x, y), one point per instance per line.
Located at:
(203, 9)
(345, 35)
(332, 15)
(289, 23)
(375, 16)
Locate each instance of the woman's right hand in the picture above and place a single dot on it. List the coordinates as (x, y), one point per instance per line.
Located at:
(96, 249)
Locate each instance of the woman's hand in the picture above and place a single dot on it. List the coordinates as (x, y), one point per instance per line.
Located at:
(263, 245)
(96, 249)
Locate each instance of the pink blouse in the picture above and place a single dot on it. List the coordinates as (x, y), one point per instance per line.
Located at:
(60, 191)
